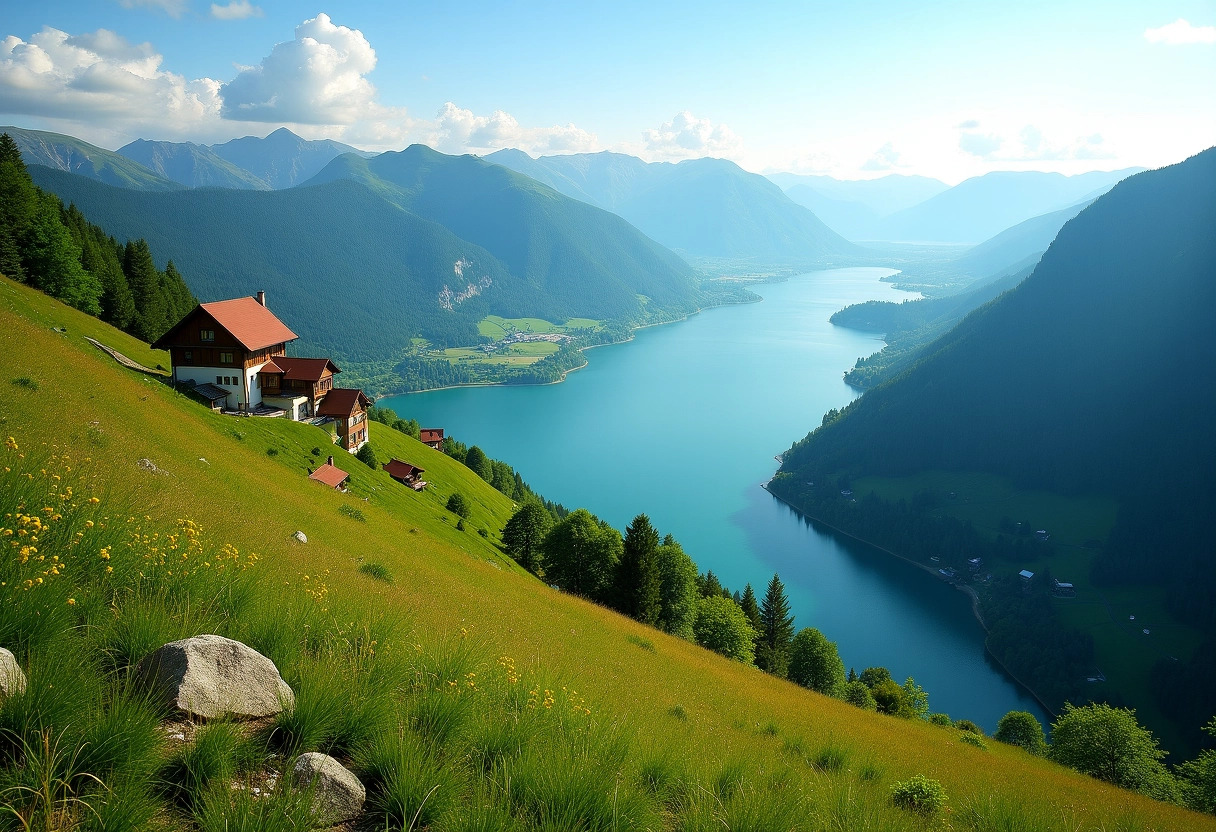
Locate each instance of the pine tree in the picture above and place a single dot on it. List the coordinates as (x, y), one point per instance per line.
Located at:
(151, 314)
(776, 630)
(751, 608)
(638, 580)
(17, 198)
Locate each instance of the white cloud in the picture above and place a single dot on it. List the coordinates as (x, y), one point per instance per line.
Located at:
(885, 158)
(689, 137)
(318, 78)
(100, 76)
(173, 8)
(457, 130)
(984, 145)
(236, 10)
(1181, 32)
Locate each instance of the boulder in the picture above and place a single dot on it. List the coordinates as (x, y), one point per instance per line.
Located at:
(210, 676)
(337, 794)
(300, 536)
(12, 680)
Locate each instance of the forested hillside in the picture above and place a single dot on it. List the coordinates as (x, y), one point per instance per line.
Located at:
(700, 207)
(73, 155)
(1099, 349)
(59, 251)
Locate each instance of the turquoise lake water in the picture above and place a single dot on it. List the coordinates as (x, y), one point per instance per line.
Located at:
(683, 423)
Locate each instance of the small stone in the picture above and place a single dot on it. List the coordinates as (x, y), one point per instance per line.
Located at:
(300, 536)
(337, 793)
(211, 676)
(12, 679)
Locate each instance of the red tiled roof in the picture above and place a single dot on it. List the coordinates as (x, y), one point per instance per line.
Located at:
(331, 475)
(271, 367)
(255, 326)
(432, 434)
(400, 470)
(341, 401)
(304, 369)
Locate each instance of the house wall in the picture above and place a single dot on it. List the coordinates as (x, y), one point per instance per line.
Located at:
(241, 384)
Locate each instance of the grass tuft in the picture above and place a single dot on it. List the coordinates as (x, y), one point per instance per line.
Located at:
(377, 571)
(640, 641)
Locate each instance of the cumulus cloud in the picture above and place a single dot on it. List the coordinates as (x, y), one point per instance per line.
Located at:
(318, 78)
(1181, 32)
(885, 158)
(1030, 144)
(61, 76)
(236, 10)
(457, 130)
(688, 137)
(173, 8)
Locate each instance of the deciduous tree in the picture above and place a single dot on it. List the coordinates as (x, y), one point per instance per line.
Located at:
(815, 663)
(722, 627)
(524, 534)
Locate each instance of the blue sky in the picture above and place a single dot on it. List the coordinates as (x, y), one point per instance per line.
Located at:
(945, 89)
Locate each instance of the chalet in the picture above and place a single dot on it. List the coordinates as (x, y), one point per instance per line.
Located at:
(331, 475)
(405, 473)
(225, 345)
(432, 437)
(297, 385)
(348, 408)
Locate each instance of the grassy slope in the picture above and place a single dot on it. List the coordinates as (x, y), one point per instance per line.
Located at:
(446, 579)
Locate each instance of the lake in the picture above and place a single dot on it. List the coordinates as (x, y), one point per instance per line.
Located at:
(683, 424)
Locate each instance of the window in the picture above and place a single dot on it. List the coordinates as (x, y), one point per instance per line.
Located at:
(188, 356)
(219, 379)
(225, 358)
(206, 335)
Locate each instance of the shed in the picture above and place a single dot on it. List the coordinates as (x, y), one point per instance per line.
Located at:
(330, 475)
(405, 473)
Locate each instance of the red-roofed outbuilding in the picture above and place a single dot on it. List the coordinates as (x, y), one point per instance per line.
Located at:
(432, 437)
(330, 474)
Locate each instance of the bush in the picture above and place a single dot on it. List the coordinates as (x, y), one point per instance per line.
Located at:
(272, 452)
(367, 455)
(858, 695)
(973, 739)
(969, 726)
(377, 571)
(941, 719)
(458, 504)
(1021, 729)
(919, 795)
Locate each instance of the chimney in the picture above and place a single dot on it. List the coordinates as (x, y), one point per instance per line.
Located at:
(331, 460)
(262, 298)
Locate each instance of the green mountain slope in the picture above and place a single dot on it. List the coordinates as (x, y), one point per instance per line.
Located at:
(707, 208)
(586, 261)
(189, 164)
(1082, 380)
(675, 734)
(66, 153)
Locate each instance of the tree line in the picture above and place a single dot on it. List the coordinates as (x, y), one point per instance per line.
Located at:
(57, 250)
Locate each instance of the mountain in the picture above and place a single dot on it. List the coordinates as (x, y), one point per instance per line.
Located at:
(192, 165)
(363, 271)
(854, 208)
(282, 159)
(73, 155)
(983, 206)
(586, 261)
(1092, 377)
(1015, 244)
(700, 207)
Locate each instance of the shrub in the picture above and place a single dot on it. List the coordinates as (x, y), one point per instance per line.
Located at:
(353, 513)
(367, 455)
(272, 452)
(969, 726)
(941, 719)
(458, 504)
(973, 739)
(919, 795)
(26, 382)
(377, 571)
(857, 694)
(1021, 729)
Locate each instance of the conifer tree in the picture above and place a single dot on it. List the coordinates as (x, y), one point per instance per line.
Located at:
(151, 312)
(750, 606)
(776, 630)
(638, 580)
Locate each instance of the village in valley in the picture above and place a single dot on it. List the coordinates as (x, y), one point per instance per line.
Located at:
(232, 355)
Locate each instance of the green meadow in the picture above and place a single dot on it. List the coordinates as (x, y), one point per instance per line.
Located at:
(463, 691)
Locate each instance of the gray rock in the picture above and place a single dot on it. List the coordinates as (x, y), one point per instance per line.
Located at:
(300, 536)
(12, 680)
(337, 794)
(211, 676)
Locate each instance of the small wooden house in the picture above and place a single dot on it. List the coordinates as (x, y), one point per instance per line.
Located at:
(331, 475)
(432, 437)
(225, 344)
(348, 408)
(297, 384)
(406, 473)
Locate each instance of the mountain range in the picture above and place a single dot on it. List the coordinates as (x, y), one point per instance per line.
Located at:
(702, 208)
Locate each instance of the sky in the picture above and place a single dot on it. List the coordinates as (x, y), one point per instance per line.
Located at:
(941, 88)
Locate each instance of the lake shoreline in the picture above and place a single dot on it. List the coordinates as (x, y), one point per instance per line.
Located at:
(966, 589)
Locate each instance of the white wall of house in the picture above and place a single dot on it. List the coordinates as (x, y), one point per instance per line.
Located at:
(296, 406)
(237, 385)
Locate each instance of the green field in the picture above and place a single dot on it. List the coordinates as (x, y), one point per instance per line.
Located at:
(1077, 525)
(671, 736)
(497, 328)
(515, 355)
